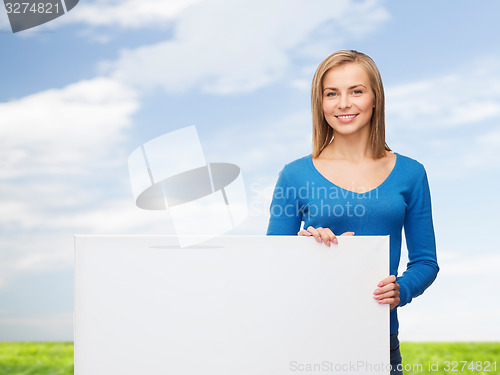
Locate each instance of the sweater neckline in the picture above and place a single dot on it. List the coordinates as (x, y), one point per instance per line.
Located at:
(389, 177)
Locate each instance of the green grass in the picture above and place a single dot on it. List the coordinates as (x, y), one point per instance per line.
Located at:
(450, 357)
(51, 358)
(57, 358)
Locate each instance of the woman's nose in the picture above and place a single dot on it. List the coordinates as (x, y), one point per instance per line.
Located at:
(344, 102)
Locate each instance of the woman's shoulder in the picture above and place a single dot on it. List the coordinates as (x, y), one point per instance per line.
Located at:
(410, 166)
(298, 163)
(298, 167)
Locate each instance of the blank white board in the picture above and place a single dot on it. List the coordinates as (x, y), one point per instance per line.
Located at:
(245, 305)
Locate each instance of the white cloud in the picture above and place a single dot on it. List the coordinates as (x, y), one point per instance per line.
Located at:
(118, 216)
(224, 46)
(470, 94)
(57, 148)
(126, 14)
(131, 14)
(265, 147)
(482, 153)
(301, 84)
(487, 264)
(58, 130)
(24, 255)
(450, 122)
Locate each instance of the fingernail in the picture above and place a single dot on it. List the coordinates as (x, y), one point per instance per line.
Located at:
(335, 241)
(327, 243)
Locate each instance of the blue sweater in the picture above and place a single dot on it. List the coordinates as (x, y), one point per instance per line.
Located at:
(302, 194)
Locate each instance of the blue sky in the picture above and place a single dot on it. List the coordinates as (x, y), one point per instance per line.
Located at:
(80, 93)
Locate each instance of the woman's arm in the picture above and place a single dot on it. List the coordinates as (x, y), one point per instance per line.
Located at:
(286, 214)
(422, 267)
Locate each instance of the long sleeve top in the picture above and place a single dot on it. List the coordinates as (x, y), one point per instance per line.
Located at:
(303, 194)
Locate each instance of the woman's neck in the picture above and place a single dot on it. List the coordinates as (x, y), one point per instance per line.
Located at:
(353, 147)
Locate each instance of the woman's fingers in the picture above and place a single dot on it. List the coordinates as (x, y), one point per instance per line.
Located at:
(387, 280)
(304, 232)
(381, 296)
(392, 301)
(388, 292)
(327, 236)
(386, 288)
(386, 301)
(324, 235)
(315, 233)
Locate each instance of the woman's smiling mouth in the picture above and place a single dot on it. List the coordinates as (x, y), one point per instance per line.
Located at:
(346, 118)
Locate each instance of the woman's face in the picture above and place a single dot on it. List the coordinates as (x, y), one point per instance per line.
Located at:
(348, 99)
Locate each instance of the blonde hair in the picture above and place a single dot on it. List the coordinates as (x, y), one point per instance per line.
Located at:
(322, 131)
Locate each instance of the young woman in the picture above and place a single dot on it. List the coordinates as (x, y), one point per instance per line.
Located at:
(356, 185)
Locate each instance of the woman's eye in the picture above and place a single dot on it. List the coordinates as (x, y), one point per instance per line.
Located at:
(357, 92)
(331, 94)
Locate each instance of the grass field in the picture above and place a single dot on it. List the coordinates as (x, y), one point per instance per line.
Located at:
(53, 358)
(451, 358)
(421, 358)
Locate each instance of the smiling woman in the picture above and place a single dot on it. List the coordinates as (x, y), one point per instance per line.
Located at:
(348, 99)
(350, 155)
(361, 76)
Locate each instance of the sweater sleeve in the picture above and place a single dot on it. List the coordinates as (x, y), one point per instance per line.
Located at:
(286, 215)
(422, 267)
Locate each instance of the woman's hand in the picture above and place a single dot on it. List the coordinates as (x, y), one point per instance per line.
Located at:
(324, 235)
(388, 292)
